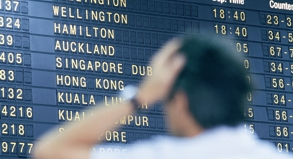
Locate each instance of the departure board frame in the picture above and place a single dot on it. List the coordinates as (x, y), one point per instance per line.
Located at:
(59, 57)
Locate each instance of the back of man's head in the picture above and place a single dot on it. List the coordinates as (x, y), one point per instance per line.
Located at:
(214, 81)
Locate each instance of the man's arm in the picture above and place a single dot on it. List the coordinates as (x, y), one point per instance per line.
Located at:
(79, 137)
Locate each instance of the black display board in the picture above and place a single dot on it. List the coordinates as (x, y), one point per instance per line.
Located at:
(58, 57)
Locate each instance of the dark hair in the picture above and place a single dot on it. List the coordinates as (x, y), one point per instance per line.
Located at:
(214, 81)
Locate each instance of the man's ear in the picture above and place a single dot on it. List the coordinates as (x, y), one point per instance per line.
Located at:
(181, 101)
(190, 126)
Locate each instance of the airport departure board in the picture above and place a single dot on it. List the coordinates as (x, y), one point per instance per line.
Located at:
(58, 57)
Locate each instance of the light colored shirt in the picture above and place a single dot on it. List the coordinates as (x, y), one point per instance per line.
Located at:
(218, 143)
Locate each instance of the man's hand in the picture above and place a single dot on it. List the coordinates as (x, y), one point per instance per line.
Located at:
(166, 66)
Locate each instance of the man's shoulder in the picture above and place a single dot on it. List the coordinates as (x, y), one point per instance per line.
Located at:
(222, 142)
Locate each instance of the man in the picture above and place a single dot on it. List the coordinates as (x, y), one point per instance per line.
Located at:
(203, 85)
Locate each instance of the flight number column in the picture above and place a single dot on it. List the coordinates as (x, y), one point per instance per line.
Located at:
(15, 79)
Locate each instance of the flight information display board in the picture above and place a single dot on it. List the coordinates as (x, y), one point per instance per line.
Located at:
(58, 57)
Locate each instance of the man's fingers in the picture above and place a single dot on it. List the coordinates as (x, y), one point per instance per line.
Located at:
(178, 61)
(167, 51)
(173, 68)
(177, 64)
(171, 47)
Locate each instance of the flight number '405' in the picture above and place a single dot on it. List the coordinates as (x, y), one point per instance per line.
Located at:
(11, 58)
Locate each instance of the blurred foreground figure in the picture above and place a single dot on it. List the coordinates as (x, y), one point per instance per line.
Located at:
(204, 87)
